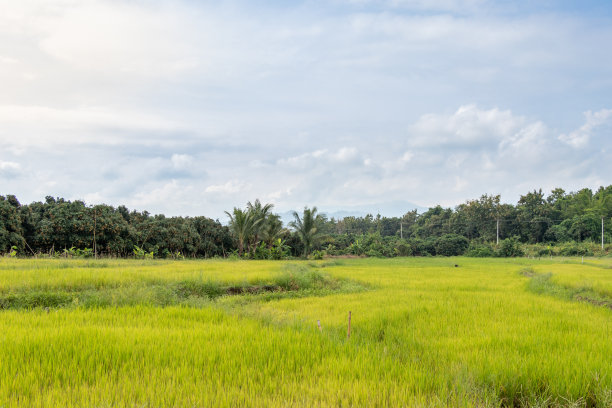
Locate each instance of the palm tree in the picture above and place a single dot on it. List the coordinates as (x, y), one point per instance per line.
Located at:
(261, 215)
(242, 223)
(272, 229)
(308, 228)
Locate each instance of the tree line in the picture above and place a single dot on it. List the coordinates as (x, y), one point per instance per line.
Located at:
(479, 227)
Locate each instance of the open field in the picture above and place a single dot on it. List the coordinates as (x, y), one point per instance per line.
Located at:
(122, 333)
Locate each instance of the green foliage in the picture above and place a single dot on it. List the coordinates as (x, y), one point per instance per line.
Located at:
(403, 249)
(258, 231)
(480, 251)
(73, 252)
(559, 220)
(574, 249)
(140, 253)
(317, 255)
(451, 245)
(309, 228)
(510, 247)
(423, 247)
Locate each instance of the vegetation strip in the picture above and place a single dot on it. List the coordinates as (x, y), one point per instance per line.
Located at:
(560, 224)
(541, 283)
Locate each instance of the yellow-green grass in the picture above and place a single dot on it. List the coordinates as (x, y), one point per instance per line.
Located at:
(426, 333)
(77, 274)
(595, 275)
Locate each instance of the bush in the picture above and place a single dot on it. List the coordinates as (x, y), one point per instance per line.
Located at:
(373, 253)
(480, 251)
(403, 249)
(510, 247)
(423, 247)
(451, 245)
(317, 255)
(575, 249)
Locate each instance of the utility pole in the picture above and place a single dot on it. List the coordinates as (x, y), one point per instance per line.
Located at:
(401, 230)
(602, 233)
(498, 231)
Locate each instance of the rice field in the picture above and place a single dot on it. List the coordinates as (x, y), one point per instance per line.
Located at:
(424, 333)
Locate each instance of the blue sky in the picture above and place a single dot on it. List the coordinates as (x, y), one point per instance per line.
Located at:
(188, 108)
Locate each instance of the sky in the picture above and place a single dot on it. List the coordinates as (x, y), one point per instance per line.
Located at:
(192, 107)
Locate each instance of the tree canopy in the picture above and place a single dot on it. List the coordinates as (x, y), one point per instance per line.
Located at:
(254, 231)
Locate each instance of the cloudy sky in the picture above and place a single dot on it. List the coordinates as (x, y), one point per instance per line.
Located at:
(192, 107)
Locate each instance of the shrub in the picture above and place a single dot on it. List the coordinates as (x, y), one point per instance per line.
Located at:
(575, 249)
(423, 247)
(480, 251)
(317, 255)
(510, 247)
(373, 253)
(403, 249)
(451, 245)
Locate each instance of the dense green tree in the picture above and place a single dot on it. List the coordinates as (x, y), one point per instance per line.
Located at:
(11, 230)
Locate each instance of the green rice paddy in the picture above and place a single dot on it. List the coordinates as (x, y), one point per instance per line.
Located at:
(425, 332)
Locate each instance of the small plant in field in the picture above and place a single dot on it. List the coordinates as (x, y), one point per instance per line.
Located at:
(279, 250)
(74, 252)
(317, 255)
(69, 253)
(140, 253)
(13, 252)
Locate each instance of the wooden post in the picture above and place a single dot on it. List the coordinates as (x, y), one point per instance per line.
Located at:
(319, 324)
(349, 326)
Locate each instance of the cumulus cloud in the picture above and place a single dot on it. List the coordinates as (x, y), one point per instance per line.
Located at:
(594, 121)
(468, 127)
(194, 107)
(230, 187)
(9, 169)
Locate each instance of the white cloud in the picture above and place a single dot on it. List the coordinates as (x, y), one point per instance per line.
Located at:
(40, 125)
(581, 137)
(123, 37)
(9, 168)
(8, 60)
(181, 161)
(468, 127)
(341, 156)
(230, 187)
(407, 156)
